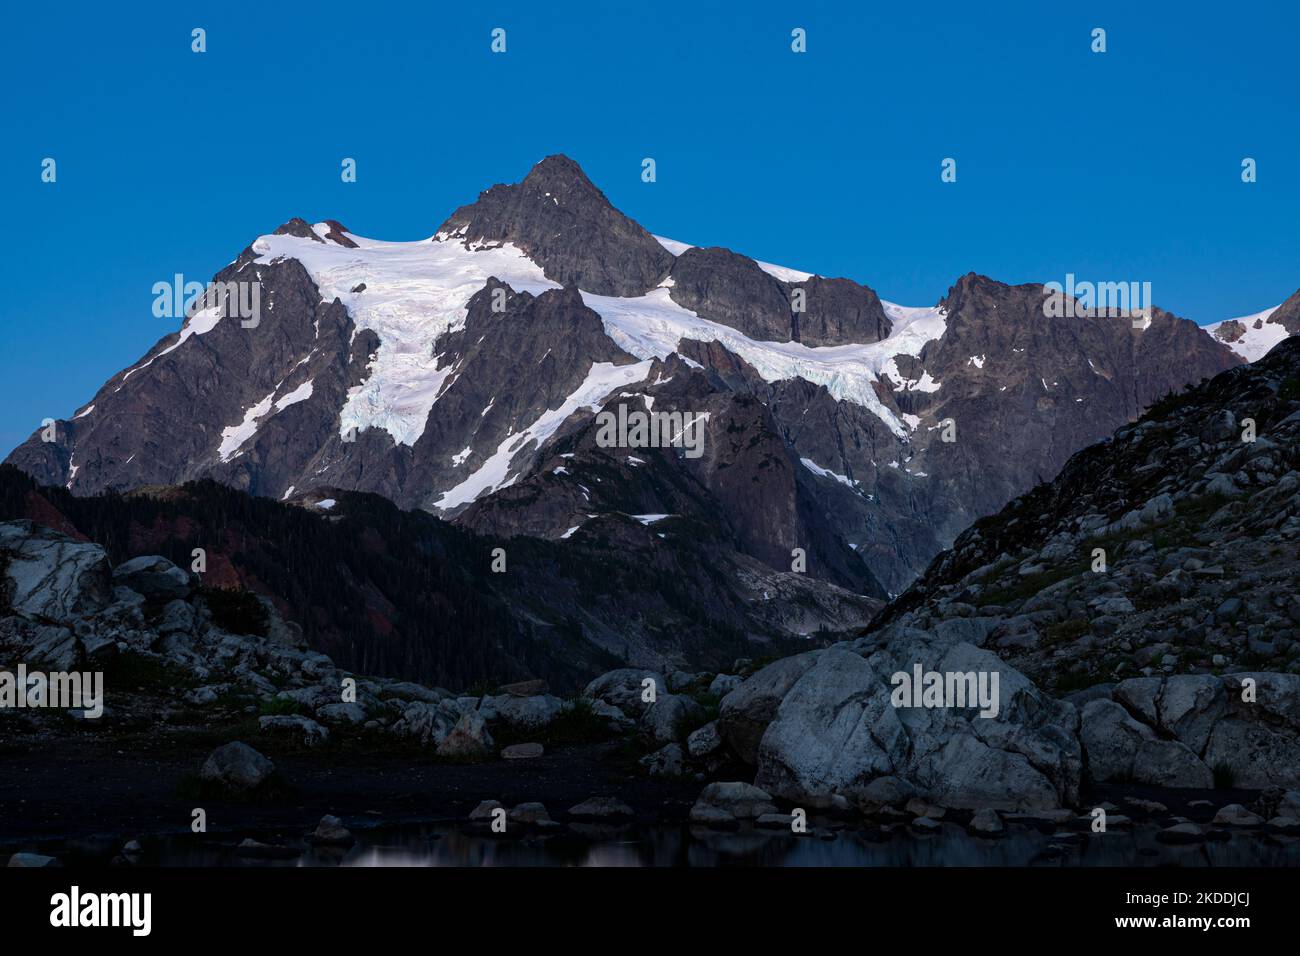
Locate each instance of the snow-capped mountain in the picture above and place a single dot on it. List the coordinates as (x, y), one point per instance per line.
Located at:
(463, 374)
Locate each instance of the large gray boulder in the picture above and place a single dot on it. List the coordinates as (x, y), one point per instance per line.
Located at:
(670, 717)
(623, 688)
(833, 732)
(1119, 748)
(154, 577)
(528, 713)
(1252, 738)
(236, 767)
(745, 713)
(51, 577)
(304, 729)
(837, 728)
(469, 738)
(426, 722)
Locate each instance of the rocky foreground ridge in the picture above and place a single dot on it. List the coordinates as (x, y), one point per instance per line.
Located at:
(817, 731)
(1139, 613)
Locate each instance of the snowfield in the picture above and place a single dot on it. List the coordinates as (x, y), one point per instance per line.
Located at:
(418, 291)
(1256, 342)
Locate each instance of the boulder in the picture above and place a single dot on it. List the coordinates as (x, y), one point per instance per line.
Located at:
(668, 761)
(331, 832)
(305, 729)
(888, 791)
(153, 577)
(670, 716)
(469, 738)
(343, 714)
(428, 723)
(236, 767)
(1119, 747)
(526, 713)
(745, 713)
(1258, 743)
(53, 578)
(834, 731)
(724, 684)
(485, 810)
(1235, 815)
(704, 741)
(837, 729)
(619, 722)
(523, 751)
(1255, 743)
(529, 814)
(726, 804)
(623, 688)
(30, 861)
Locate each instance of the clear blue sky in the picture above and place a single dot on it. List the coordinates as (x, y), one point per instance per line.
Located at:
(1121, 166)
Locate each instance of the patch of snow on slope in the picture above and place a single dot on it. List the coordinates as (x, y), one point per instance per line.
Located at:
(817, 469)
(299, 394)
(494, 473)
(1254, 343)
(235, 435)
(650, 519)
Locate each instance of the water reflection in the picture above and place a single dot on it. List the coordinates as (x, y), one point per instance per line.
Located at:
(669, 846)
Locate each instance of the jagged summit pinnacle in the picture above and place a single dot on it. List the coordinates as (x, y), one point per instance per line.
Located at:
(560, 220)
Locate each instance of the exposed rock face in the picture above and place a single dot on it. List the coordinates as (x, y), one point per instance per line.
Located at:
(1169, 548)
(52, 578)
(1121, 748)
(837, 729)
(837, 311)
(153, 577)
(731, 289)
(1191, 730)
(567, 226)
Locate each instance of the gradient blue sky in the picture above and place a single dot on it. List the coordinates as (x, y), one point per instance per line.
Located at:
(1122, 166)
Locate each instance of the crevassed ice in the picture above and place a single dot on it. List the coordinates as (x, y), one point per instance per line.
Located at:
(416, 291)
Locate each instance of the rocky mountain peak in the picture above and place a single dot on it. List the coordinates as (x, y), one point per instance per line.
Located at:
(561, 221)
(561, 177)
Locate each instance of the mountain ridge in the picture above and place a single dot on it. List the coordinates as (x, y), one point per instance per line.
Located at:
(363, 373)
